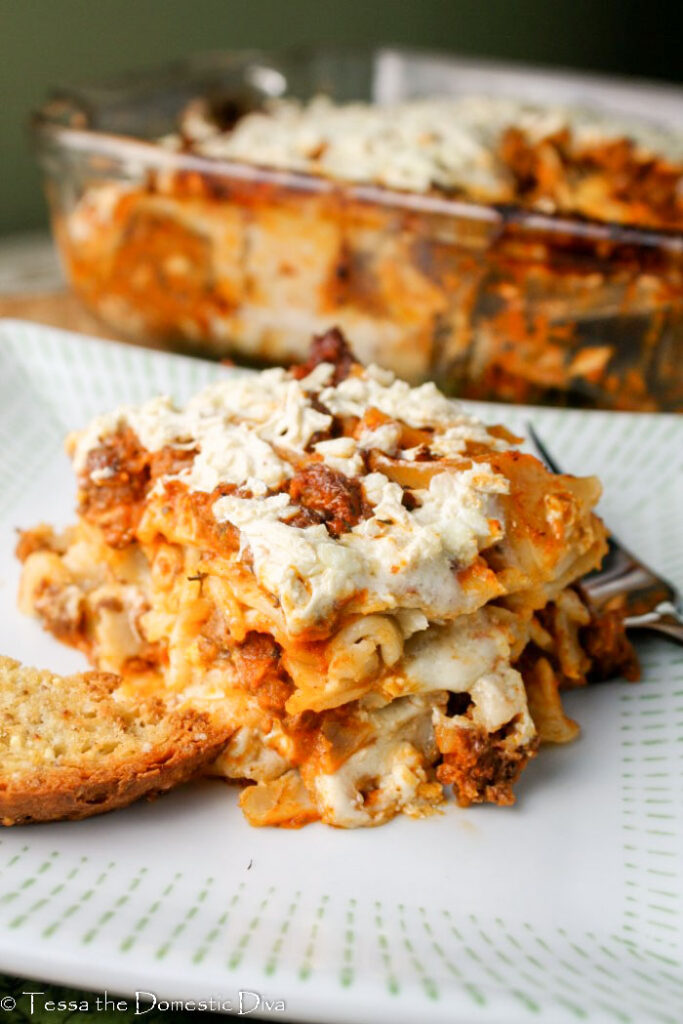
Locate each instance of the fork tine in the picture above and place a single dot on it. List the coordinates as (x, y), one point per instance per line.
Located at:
(542, 450)
(623, 575)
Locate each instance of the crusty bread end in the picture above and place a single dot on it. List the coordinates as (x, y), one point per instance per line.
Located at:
(70, 747)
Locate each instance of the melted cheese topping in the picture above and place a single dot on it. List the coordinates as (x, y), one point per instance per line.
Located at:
(233, 423)
(448, 142)
(376, 388)
(253, 430)
(396, 557)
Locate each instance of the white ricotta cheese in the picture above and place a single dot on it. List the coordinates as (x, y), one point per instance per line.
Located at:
(455, 656)
(304, 569)
(395, 764)
(232, 453)
(395, 558)
(448, 142)
(341, 454)
(251, 430)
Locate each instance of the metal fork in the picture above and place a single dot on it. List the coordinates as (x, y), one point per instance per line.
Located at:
(650, 602)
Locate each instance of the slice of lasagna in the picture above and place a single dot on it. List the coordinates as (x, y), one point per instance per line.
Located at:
(364, 582)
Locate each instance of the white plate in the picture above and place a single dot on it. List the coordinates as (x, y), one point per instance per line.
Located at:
(566, 907)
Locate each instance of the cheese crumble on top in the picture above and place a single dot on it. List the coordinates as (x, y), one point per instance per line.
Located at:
(450, 143)
(255, 430)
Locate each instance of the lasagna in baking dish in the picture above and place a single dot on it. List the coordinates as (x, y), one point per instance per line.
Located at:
(495, 246)
(372, 588)
(490, 149)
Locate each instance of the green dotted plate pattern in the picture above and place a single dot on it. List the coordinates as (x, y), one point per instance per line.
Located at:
(567, 907)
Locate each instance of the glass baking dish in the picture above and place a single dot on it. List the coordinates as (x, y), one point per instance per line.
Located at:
(229, 259)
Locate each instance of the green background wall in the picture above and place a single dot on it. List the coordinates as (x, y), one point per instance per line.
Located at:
(44, 42)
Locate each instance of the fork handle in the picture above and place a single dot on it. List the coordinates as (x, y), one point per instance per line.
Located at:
(668, 622)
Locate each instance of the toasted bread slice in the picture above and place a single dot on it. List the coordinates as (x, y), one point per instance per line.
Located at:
(70, 749)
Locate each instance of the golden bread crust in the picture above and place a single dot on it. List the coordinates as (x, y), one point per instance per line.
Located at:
(166, 748)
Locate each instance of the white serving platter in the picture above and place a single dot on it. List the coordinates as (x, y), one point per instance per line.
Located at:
(567, 907)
